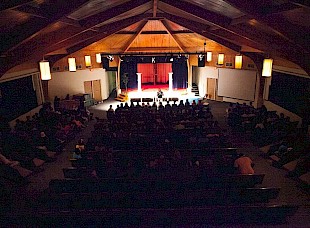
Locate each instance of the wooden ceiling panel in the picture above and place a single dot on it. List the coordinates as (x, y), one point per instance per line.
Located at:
(154, 25)
(298, 16)
(110, 44)
(10, 18)
(130, 13)
(10, 4)
(195, 43)
(94, 7)
(259, 26)
(154, 40)
(176, 27)
(218, 6)
(132, 28)
(51, 28)
(175, 11)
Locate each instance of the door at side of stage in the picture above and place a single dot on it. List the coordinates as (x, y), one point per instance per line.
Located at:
(93, 88)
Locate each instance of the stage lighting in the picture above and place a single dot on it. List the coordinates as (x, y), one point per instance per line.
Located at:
(98, 58)
(87, 61)
(267, 67)
(171, 59)
(111, 58)
(45, 70)
(153, 60)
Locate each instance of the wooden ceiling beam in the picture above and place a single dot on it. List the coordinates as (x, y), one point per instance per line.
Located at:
(240, 20)
(201, 30)
(213, 18)
(132, 39)
(180, 45)
(96, 19)
(72, 44)
(105, 31)
(11, 4)
(33, 11)
(277, 23)
(155, 8)
(24, 32)
(267, 10)
(302, 3)
(245, 34)
(218, 21)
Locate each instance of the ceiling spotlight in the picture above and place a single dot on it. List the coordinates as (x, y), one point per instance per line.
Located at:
(153, 59)
(200, 56)
(179, 56)
(171, 59)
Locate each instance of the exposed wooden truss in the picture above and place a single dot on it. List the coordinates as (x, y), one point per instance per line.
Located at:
(47, 28)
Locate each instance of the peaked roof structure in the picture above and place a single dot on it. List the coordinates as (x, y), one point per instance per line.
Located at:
(31, 29)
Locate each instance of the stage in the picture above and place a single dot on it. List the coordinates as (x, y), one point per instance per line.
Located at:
(147, 93)
(150, 94)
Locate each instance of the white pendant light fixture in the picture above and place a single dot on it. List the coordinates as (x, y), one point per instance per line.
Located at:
(87, 61)
(209, 56)
(98, 58)
(238, 61)
(267, 67)
(72, 64)
(220, 59)
(45, 70)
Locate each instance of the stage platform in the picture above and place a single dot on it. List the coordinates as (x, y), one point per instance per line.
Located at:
(180, 94)
(150, 95)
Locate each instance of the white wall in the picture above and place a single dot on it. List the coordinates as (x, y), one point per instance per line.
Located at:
(63, 83)
(237, 84)
(201, 74)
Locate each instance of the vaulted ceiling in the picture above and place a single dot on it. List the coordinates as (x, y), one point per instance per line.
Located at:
(31, 29)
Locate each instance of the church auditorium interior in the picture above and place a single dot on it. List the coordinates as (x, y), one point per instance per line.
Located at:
(129, 113)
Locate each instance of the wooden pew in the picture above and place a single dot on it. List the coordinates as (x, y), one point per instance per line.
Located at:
(160, 199)
(211, 215)
(122, 184)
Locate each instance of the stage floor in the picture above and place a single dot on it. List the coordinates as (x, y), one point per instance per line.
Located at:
(181, 94)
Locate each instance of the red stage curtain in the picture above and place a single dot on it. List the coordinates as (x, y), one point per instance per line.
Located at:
(147, 70)
(162, 72)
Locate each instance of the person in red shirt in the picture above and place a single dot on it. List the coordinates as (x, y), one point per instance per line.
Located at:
(244, 164)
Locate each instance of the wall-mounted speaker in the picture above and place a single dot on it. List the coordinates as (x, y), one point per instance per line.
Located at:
(201, 60)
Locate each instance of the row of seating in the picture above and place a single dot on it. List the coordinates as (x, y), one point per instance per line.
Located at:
(151, 183)
(120, 217)
(293, 167)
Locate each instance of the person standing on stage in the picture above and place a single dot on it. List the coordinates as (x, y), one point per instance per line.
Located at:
(160, 95)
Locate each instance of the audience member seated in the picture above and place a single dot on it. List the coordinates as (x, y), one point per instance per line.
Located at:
(7, 171)
(244, 164)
